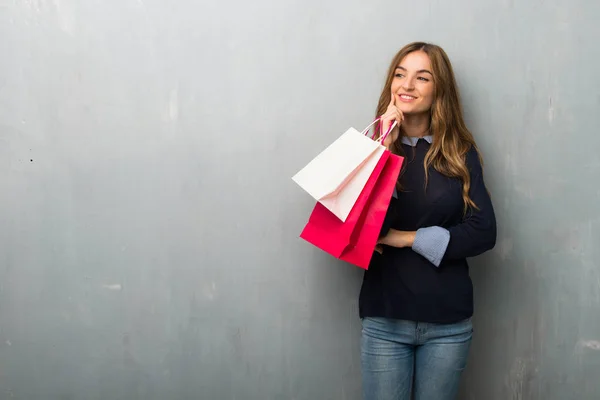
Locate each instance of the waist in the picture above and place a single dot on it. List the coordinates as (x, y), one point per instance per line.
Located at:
(402, 284)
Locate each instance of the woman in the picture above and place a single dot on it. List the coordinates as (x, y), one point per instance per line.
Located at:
(416, 299)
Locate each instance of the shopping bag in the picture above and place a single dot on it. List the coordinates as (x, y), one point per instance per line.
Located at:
(354, 240)
(337, 175)
(366, 233)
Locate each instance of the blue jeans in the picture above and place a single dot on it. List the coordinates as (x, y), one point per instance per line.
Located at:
(401, 357)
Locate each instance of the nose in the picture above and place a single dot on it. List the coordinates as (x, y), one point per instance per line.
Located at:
(408, 84)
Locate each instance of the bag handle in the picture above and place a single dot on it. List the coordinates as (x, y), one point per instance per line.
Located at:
(388, 132)
(369, 126)
(381, 137)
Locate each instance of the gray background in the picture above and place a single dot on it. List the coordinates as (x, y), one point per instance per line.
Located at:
(149, 224)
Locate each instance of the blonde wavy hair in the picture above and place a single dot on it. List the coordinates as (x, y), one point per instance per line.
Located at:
(451, 137)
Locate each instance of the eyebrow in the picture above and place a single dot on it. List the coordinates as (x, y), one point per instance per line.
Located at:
(418, 72)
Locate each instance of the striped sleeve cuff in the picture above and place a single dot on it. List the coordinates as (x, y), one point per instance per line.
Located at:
(431, 243)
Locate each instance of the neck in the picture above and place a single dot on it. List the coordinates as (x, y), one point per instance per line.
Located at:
(416, 125)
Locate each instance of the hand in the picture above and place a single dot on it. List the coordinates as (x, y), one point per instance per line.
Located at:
(392, 114)
(398, 239)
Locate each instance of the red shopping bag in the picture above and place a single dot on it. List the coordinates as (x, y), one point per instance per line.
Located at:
(354, 240)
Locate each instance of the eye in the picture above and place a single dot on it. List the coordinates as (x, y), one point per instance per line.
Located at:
(399, 75)
(423, 79)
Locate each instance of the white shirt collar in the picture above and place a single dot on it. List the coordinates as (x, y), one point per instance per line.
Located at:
(412, 141)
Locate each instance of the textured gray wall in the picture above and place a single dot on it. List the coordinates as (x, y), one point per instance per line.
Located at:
(149, 224)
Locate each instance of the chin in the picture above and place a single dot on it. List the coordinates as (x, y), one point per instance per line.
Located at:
(413, 110)
(407, 109)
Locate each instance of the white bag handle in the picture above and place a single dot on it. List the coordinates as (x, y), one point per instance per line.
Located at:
(382, 137)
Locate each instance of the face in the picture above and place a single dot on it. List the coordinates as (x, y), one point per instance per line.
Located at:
(413, 84)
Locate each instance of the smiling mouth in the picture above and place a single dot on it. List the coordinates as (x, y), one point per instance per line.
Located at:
(407, 97)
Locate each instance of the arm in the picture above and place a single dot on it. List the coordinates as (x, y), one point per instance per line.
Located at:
(473, 236)
(476, 234)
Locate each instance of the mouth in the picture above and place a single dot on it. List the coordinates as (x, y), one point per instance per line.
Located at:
(406, 97)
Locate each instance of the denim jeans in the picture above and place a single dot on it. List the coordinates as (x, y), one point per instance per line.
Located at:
(401, 357)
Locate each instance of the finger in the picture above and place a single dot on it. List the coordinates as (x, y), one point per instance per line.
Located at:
(387, 119)
(393, 99)
(390, 116)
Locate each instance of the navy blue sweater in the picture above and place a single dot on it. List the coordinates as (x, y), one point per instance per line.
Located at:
(430, 282)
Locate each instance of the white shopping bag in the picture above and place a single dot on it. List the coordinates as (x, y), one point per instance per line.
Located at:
(337, 176)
